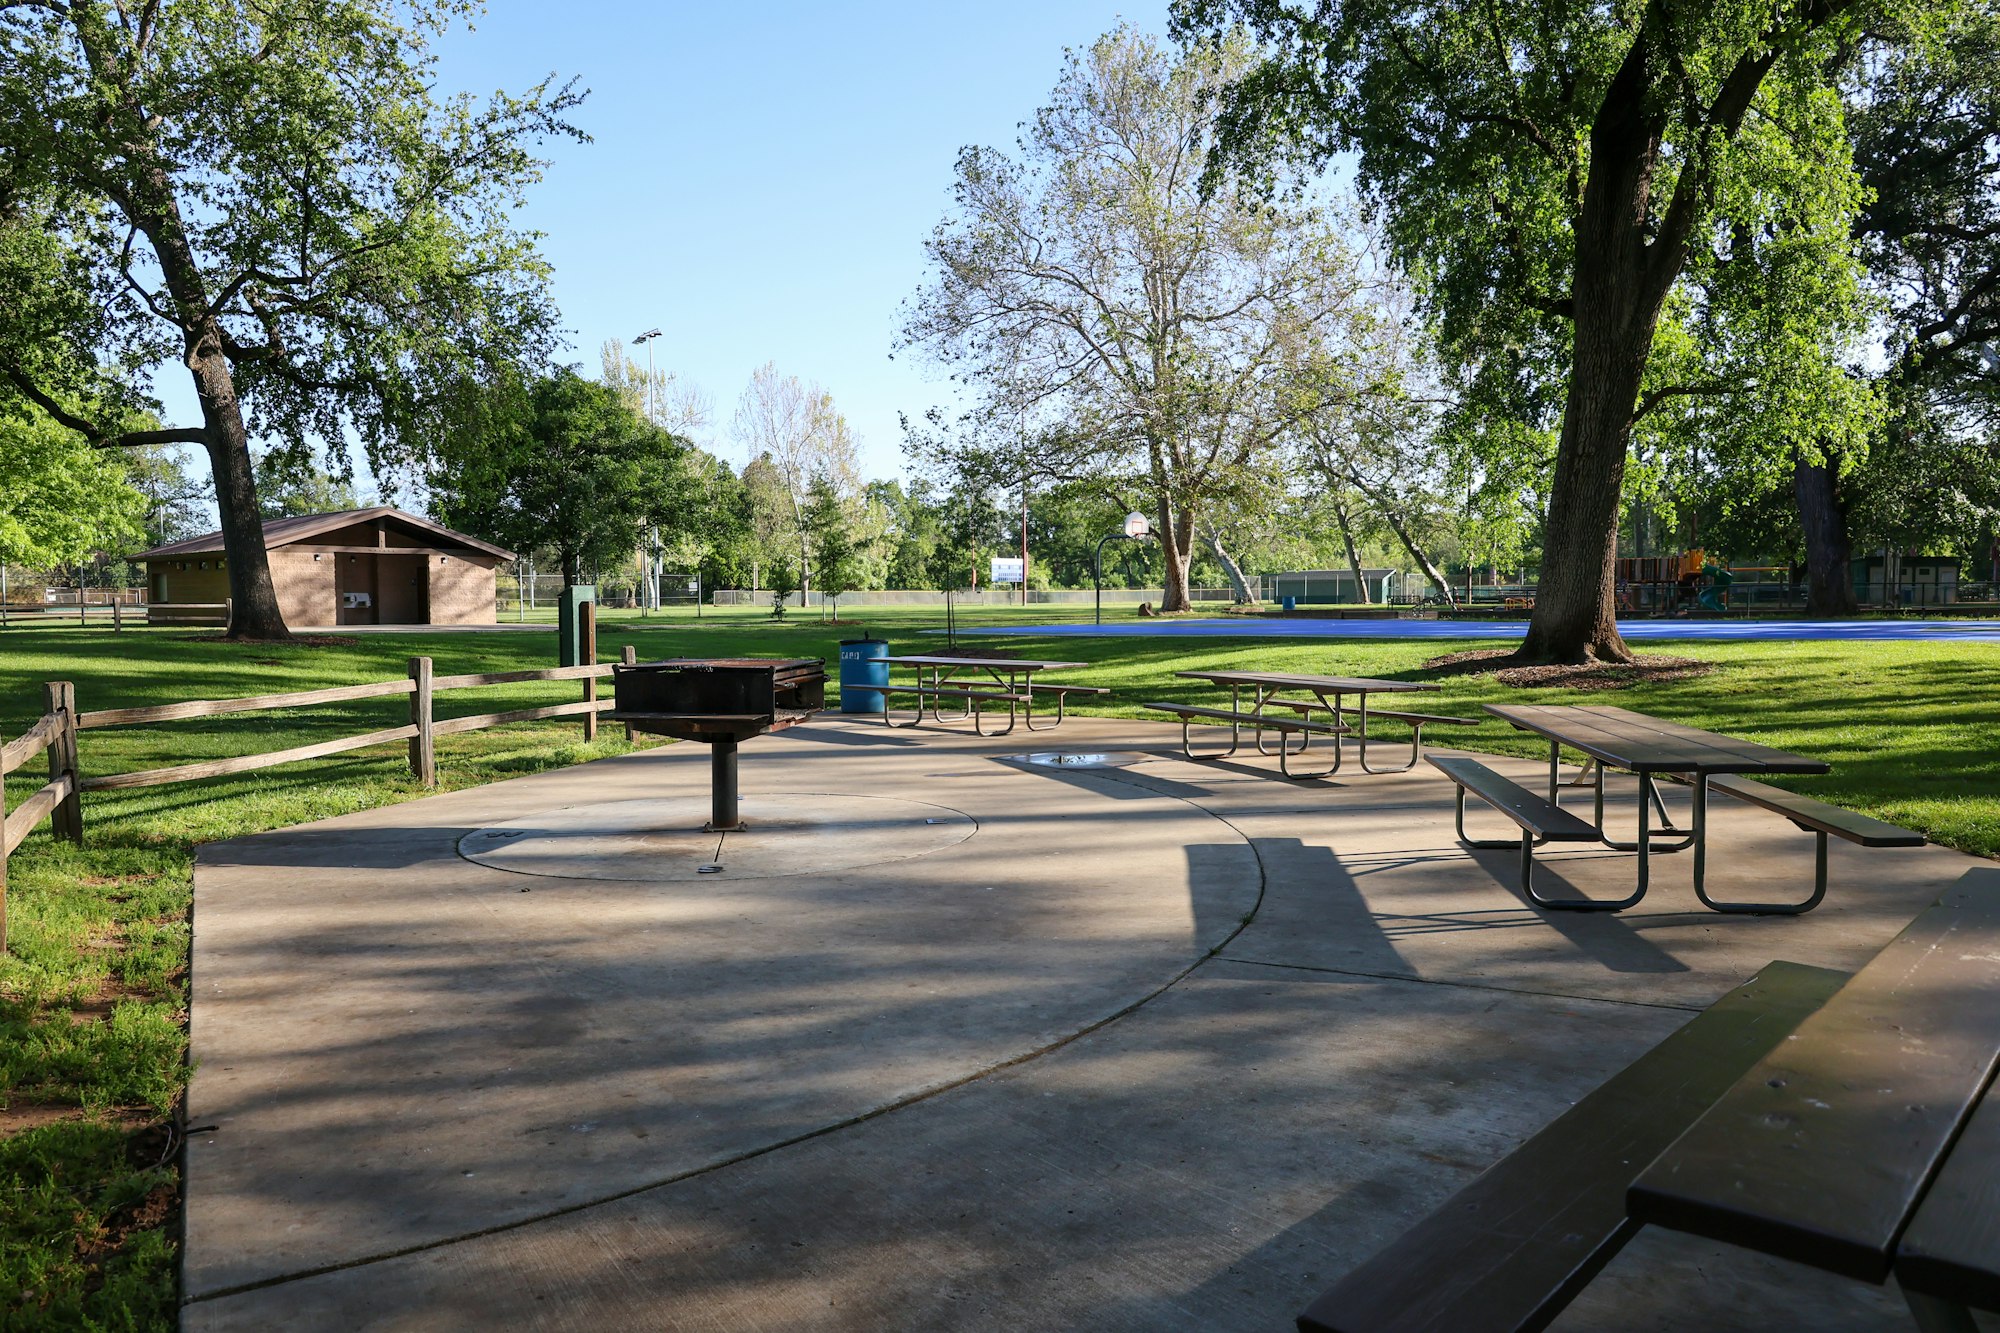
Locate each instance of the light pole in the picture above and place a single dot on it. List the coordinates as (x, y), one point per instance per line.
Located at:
(652, 534)
(1136, 529)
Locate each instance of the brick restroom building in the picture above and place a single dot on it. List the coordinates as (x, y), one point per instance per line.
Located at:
(379, 566)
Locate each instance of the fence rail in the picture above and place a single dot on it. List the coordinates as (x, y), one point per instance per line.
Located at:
(57, 799)
(214, 614)
(1007, 595)
(55, 733)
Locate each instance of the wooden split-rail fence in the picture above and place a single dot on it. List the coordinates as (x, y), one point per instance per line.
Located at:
(59, 800)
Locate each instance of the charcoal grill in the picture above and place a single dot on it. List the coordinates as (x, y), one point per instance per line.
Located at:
(720, 702)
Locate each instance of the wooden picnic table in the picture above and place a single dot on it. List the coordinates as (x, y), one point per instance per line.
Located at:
(1849, 1123)
(1868, 1142)
(1650, 747)
(977, 681)
(1267, 686)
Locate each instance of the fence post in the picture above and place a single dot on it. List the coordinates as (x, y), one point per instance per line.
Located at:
(630, 657)
(66, 820)
(3, 871)
(588, 633)
(228, 614)
(118, 617)
(423, 745)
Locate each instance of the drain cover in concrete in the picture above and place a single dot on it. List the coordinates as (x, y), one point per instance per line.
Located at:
(1066, 759)
(663, 840)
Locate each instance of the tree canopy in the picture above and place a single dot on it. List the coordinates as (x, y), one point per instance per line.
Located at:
(559, 462)
(1548, 174)
(61, 501)
(273, 197)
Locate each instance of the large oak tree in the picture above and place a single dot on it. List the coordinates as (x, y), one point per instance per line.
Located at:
(1547, 170)
(268, 194)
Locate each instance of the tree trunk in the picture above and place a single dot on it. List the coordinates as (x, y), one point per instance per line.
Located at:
(1627, 257)
(1829, 552)
(1417, 553)
(254, 613)
(1392, 513)
(1353, 554)
(1173, 534)
(1238, 585)
(1575, 617)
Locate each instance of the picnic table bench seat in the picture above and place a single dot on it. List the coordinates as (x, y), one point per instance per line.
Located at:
(1062, 694)
(950, 692)
(1539, 819)
(975, 698)
(1303, 727)
(1515, 1246)
(1816, 817)
(1416, 722)
(1393, 714)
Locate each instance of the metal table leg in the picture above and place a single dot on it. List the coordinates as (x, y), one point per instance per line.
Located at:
(1754, 909)
(1648, 790)
(1527, 843)
(1416, 743)
(1645, 866)
(916, 718)
(939, 679)
(1062, 701)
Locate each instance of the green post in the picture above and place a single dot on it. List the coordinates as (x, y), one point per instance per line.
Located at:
(570, 623)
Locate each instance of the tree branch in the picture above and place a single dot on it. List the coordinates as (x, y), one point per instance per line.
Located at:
(1658, 396)
(135, 439)
(55, 409)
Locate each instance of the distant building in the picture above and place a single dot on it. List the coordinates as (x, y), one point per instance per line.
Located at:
(1324, 587)
(1888, 578)
(377, 566)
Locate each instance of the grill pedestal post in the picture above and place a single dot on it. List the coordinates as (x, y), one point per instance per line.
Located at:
(722, 813)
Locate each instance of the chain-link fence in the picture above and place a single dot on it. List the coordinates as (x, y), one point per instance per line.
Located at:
(998, 596)
(520, 595)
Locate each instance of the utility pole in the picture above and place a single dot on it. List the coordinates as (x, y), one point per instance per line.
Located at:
(650, 560)
(1024, 538)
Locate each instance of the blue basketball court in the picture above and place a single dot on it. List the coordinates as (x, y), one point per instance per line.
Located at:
(1271, 627)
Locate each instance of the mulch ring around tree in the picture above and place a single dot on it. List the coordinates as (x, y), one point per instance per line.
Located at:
(1646, 669)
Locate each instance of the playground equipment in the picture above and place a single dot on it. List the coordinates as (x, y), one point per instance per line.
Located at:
(1660, 583)
(1715, 597)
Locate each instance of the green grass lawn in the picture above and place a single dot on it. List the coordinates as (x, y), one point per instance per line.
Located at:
(92, 989)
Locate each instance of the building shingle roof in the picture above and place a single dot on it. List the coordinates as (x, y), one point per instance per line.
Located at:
(285, 531)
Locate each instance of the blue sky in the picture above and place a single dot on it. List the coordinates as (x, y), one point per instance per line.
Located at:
(762, 177)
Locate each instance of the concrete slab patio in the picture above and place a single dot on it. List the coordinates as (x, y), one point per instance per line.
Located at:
(950, 1041)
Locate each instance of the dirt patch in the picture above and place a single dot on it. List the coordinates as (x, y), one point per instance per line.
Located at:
(23, 1114)
(1646, 669)
(20, 1117)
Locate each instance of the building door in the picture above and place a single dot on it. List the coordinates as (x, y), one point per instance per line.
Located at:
(403, 590)
(354, 589)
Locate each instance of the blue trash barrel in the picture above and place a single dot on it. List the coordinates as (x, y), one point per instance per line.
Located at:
(862, 664)
(1291, 603)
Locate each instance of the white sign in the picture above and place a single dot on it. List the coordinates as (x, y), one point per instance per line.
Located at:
(1006, 570)
(1136, 524)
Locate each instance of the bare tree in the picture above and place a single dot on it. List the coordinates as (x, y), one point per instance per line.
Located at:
(1114, 321)
(795, 427)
